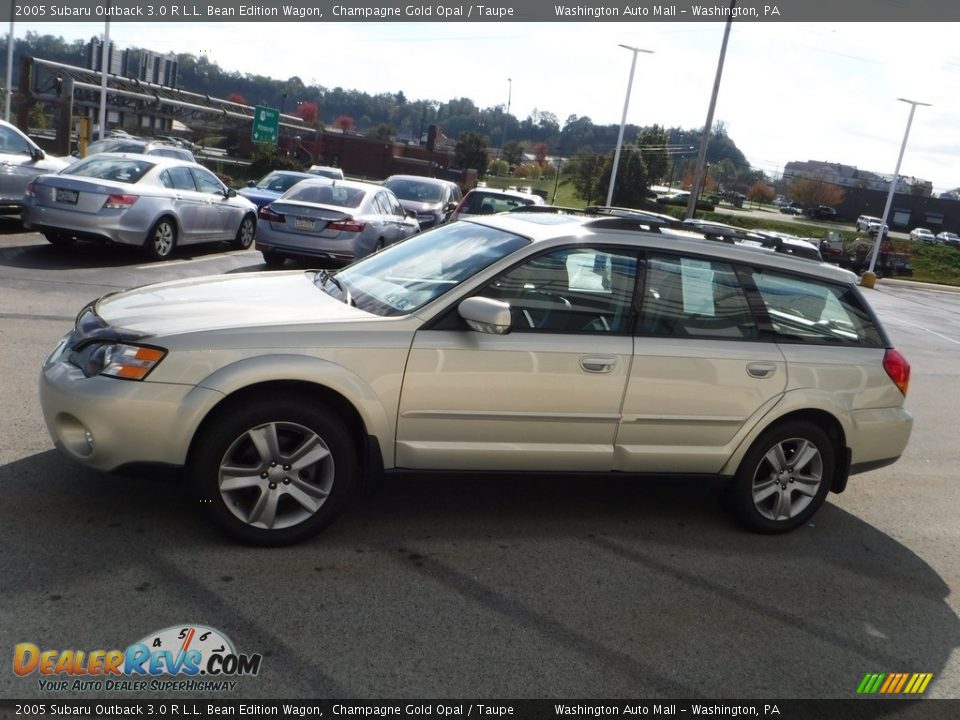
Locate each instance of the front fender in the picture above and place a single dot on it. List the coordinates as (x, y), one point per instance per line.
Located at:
(371, 406)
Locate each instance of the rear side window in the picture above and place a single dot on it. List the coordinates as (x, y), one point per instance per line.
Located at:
(805, 310)
(694, 297)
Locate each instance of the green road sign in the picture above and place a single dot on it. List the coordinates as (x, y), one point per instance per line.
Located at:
(266, 125)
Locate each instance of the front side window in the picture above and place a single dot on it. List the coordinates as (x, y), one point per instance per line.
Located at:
(694, 297)
(207, 182)
(12, 142)
(572, 290)
(805, 310)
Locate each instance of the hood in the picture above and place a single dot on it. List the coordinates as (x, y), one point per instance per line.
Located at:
(224, 301)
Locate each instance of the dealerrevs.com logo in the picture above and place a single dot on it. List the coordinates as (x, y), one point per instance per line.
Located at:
(199, 657)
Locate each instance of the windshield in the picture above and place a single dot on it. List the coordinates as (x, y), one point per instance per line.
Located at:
(407, 276)
(415, 190)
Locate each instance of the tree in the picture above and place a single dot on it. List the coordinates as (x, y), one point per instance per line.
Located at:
(761, 193)
(345, 123)
(512, 152)
(383, 131)
(237, 98)
(586, 170)
(471, 152)
(540, 151)
(813, 191)
(309, 112)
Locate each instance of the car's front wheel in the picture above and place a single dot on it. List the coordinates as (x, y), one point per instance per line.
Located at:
(246, 232)
(162, 239)
(274, 470)
(784, 478)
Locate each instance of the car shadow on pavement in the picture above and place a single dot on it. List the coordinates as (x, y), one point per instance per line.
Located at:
(503, 586)
(84, 255)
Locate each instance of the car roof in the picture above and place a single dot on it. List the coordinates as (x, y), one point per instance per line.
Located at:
(421, 178)
(160, 160)
(553, 227)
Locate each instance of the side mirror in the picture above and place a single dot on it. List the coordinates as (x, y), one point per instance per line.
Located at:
(37, 154)
(251, 183)
(231, 193)
(486, 315)
(410, 214)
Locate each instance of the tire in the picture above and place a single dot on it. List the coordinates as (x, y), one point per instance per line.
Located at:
(59, 240)
(245, 233)
(783, 479)
(162, 239)
(274, 470)
(273, 259)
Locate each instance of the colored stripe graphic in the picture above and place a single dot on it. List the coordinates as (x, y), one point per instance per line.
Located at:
(894, 683)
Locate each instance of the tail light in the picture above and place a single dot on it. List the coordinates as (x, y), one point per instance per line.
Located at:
(29, 191)
(120, 202)
(897, 367)
(265, 213)
(348, 225)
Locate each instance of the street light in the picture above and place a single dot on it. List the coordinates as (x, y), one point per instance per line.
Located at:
(623, 120)
(893, 187)
(503, 137)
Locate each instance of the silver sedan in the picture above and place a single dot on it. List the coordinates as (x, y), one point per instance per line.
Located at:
(334, 220)
(151, 202)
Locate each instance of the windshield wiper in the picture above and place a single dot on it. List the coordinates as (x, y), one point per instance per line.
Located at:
(325, 276)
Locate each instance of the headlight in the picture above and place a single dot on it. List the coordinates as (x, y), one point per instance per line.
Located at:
(119, 360)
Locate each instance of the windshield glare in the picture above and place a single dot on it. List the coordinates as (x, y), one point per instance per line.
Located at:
(415, 190)
(407, 276)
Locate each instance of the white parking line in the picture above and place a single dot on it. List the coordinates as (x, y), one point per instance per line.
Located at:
(161, 265)
(893, 321)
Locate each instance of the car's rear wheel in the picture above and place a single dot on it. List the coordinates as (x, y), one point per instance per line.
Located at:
(274, 259)
(162, 239)
(783, 479)
(246, 232)
(274, 470)
(58, 239)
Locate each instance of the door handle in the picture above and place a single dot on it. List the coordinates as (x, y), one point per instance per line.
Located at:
(761, 369)
(598, 363)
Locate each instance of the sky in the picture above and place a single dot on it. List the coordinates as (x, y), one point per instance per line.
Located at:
(789, 91)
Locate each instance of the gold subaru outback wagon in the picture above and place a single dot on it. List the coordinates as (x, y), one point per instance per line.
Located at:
(533, 342)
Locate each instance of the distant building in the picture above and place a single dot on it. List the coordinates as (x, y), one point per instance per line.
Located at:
(848, 176)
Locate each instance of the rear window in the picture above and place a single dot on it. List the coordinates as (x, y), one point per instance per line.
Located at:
(106, 168)
(327, 195)
(415, 190)
(804, 310)
(487, 203)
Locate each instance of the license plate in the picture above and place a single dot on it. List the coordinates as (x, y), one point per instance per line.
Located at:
(67, 196)
(303, 224)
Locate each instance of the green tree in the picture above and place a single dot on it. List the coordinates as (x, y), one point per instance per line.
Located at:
(586, 170)
(471, 152)
(512, 152)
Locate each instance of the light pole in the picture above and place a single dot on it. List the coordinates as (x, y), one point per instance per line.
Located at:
(623, 120)
(503, 137)
(870, 277)
(6, 103)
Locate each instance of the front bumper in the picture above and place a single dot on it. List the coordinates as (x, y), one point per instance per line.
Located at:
(106, 423)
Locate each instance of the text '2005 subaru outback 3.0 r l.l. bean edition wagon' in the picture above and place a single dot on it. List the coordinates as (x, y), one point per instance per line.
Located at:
(509, 343)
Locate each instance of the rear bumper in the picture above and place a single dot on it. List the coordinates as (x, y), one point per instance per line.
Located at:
(99, 226)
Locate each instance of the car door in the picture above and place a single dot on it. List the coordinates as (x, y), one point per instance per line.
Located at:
(17, 166)
(220, 217)
(545, 396)
(701, 375)
(187, 202)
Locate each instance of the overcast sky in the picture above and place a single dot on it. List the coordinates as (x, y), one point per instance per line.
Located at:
(789, 91)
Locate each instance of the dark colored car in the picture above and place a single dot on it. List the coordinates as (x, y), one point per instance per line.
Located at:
(432, 200)
(792, 209)
(272, 185)
(822, 212)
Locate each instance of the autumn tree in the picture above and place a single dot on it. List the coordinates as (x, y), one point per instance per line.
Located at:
(813, 191)
(761, 193)
(345, 123)
(237, 98)
(540, 151)
(308, 111)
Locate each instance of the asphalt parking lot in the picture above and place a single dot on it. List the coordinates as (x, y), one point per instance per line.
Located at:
(507, 587)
